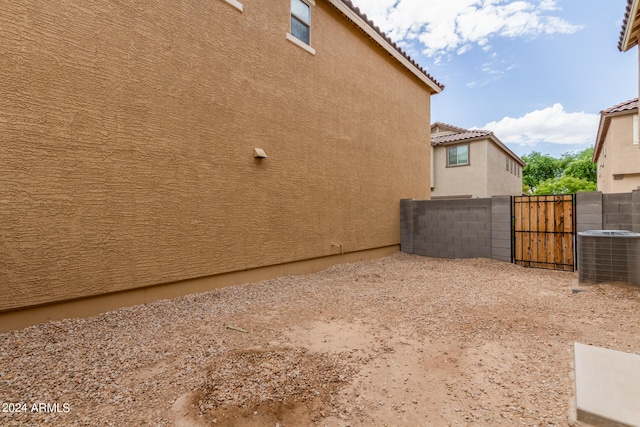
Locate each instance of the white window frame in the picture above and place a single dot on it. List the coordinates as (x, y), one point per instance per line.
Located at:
(636, 137)
(293, 39)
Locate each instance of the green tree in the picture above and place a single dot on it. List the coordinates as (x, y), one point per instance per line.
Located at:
(547, 175)
(540, 167)
(565, 184)
(582, 166)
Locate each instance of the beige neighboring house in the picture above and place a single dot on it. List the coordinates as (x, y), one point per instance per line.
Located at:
(617, 151)
(630, 32)
(134, 135)
(469, 163)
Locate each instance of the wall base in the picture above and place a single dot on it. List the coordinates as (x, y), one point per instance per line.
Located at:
(86, 307)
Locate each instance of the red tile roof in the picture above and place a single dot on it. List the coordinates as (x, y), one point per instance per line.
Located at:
(623, 106)
(625, 23)
(460, 136)
(605, 121)
(377, 29)
(447, 126)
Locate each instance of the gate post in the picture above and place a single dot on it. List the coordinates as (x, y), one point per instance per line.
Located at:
(501, 228)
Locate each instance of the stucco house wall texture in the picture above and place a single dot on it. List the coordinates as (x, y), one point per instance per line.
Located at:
(128, 131)
(461, 180)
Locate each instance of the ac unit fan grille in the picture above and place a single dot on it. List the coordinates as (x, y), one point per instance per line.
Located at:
(609, 256)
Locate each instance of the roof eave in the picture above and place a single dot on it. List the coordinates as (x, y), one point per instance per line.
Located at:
(492, 137)
(507, 150)
(603, 128)
(364, 26)
(448, 126)
(461, 140)
(626, 41)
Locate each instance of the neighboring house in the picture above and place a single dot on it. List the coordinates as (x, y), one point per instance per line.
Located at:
(469, 163)
(127, 165)
(617, 151)
(630, 32)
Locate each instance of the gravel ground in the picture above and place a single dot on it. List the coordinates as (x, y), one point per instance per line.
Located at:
(403, 340)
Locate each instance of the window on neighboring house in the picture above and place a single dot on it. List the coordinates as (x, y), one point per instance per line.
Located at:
(458, 155)
(301, 21)
(507, 162)
(518, 167)
(635, 130)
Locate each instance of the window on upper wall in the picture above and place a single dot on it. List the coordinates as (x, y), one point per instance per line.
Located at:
(458, 155)
(507, 162)
(635, 130)
(301, 21)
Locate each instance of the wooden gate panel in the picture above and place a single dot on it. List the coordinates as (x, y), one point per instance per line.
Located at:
(544, 231)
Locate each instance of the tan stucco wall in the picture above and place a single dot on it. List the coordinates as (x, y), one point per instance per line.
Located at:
(619, 157)
(502, 182)
(485, 176)
(461, 180)
(128, 133)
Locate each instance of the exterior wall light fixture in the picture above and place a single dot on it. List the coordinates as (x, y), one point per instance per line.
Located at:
(259, 153)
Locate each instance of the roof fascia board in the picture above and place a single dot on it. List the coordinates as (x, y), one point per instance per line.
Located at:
(507, 150)
(462, 141)
(622, 113)
(338, 4)
(603, 128)
(626, 40)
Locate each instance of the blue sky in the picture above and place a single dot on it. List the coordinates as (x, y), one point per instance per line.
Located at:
(535, 72)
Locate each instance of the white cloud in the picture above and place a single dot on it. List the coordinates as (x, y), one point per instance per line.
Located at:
(447, 26)
(551, 125)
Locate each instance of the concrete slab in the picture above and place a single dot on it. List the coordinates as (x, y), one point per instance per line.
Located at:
(607, 387)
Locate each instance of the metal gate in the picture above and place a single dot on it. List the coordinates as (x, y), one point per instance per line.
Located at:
(544, 232)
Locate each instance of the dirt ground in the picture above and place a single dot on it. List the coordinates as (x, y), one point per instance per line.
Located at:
(403, 340)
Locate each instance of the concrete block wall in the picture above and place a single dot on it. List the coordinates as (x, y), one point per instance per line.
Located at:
(406, 225)
(588, 211)
(471, 228)
(615, 211)
(457, 228)
(635, 210)
(501, 228)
